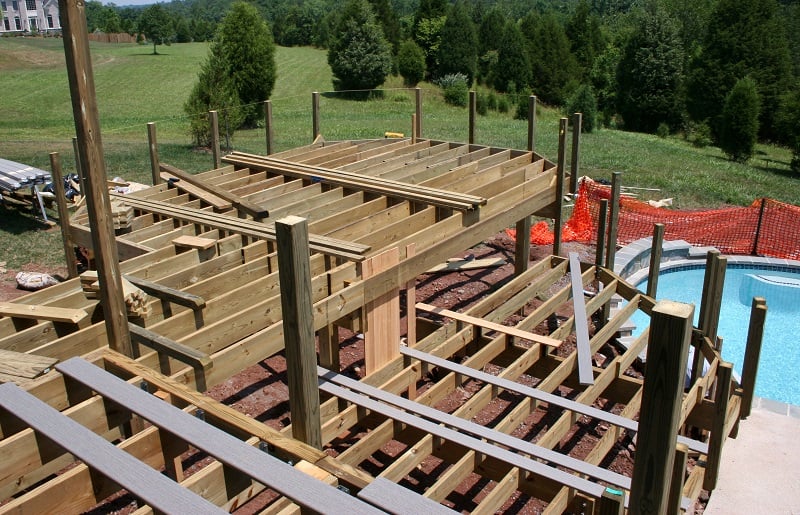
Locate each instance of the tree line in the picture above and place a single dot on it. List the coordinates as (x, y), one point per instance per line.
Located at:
(717, 71)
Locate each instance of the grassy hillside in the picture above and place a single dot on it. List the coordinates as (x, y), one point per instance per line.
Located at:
(135, 87)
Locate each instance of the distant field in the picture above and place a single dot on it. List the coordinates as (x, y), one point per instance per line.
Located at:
(135, 87)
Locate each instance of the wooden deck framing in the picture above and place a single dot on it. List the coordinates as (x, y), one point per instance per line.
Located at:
(216, 309)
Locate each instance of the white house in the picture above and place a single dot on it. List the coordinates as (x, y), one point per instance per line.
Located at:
(25, 16)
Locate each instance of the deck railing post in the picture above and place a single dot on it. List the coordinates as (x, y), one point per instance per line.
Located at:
(752, 353)
(270, 131)
(315, 128)
(153, 145)
(560, 186)
(472, 108)
(577, 127)
(655, 259)
(418, 111)
(213, 119)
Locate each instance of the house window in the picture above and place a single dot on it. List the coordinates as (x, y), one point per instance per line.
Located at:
(32, 25)
(30, 4)
(6, 24)
(50, 21)
(14, 6)
(3, 6)
(16, 23)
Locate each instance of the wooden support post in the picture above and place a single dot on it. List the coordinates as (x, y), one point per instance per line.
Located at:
(522, 247)
(153, 145)
(602, 218)
(270, 131)
(662, 392)
(752, 353)
(315, 130)
(560, 184)
(716, 304)
(329, 347)
(718, 434)
(414, 134)
(612, 502)
(294, 274)
(418, 111)
(63, 214)
(678, 476)
(411, 302)
(705, 299)
(472, 114)
(382, 337)
(577, 127)
(711, 301)
(213, 119)
(532, 123)
(90, 146)
(655, 259)
(611, 246)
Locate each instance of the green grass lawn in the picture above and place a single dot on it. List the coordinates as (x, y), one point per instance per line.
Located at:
(135, 87)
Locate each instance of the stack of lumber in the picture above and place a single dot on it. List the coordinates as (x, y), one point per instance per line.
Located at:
(121, 215)
(135, 298)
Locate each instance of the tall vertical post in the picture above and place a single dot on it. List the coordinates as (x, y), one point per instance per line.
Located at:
(414, 134)
(418, 111)
(655, 259)
(532, 123)
(678, 476)
(472, 112)
(270, 131)
(63, 214)
(662, 392)
(78, 166)
(602, 218)
(294, 273)
(758, 226)
(718, 434)
(577, 127)
(711, 301)
(611, 246)
(522, 247)
(560, 185)
(612, 502)
(752, 353)
(152, 142)
(90, 147)
(315, 130)
(213, 119)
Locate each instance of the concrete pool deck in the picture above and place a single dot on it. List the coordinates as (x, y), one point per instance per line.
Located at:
(759, 471)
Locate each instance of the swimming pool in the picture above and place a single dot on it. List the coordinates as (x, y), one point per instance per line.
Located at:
(779, 366)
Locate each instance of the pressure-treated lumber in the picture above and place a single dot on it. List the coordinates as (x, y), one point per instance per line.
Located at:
(157, 490)
(244, 205)
(218, 203)
(79, 317)
(63, 214)
(20, 366)
(166, 293)
(755, 336)
(582, 348)
(461, 265)
(382, 336)
(179, 351)
(500, 328)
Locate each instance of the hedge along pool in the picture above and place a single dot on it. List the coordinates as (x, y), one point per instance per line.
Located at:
(779, 365)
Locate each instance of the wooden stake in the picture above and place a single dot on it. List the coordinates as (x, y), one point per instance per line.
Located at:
(718, 433)
(532, 123)
(602, 218)
(213, 119)
(678, 476)
(63, 214)
(752, 353)
(418, 112)
(294, 274)
(414, 134)
(611, 246)
(655, 259)
(315, 130)
(522, 247)
(90, 146)
(662, 392)
(577, 126)
(472, 113)
(153, 144)
(560, 184)
(270, 131)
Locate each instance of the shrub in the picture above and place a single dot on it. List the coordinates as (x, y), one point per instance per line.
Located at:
(411, 63)
(502, 104)
(583, 101)
(491, 101)
(455, 89)
(699, 134)
(662, 131)
(740, 121)
(522, 101)
(481, 105)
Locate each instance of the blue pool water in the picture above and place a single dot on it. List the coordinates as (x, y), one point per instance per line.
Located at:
(779, 367)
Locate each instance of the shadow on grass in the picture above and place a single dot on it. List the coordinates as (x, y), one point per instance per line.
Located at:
(764, 164)
(18, 219)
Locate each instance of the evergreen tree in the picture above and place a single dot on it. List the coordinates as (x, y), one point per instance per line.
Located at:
(246, 48)
(490, 35)
(585, 36)
(740, 121)
(583, 101)
(603, 76)
(553, 65)
(744, 38)
(389, 22)
(359, 56)
(650, 74)
(411, 62)
(513, 67)
(183, 33)
(788, 122)
(458, 51)
(156, 24)
(429, 19)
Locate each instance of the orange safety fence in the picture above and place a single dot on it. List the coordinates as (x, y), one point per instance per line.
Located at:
(765, 228)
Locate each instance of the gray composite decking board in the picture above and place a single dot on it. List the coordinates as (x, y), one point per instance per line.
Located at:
(158, 491)
(395, 499)
(283, 478)
(479, 431)
(540, 395)
(480, 446)
(582, 347)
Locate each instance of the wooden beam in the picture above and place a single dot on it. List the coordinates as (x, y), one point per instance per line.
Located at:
(218, 203)
(166, 293)
(500, 328)
(582, 347)
(718, 434)
(63, 215)
(561, 171)
(241, 204)
(90, 146)
(752, 353)
(382, 335)
(298, 327)
(613, 227)
(163, 345)
(78, 317)
(24, 366)
(82, 236)
(667, 351)
(522, 246)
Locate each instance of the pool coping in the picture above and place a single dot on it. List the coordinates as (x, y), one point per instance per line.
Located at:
(632, 263)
